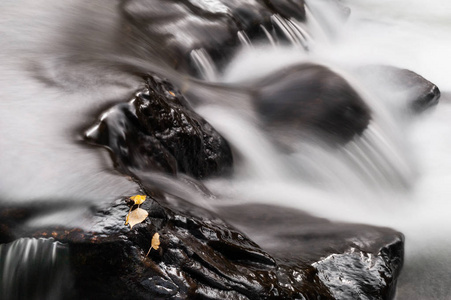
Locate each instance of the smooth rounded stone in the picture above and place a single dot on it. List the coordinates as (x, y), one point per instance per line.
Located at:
(311, 98)
(157, 131)
(239, 252)
(402, 86)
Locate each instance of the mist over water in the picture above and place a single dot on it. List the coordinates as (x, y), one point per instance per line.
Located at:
(60, 69)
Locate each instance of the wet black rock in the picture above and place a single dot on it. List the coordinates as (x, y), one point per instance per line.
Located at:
(339, 260)
(250, 252)
(312, 98)
(157, 131)
(170, 30)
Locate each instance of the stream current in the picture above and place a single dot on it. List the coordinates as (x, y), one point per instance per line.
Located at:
(60, 70)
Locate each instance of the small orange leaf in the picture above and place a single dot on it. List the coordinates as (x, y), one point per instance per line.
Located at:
(136, 216)
(138, 199)
(172, 93)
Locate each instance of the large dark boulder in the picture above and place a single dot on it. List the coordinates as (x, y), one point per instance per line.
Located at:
(241, 252)
(157, 131)
(312, 98)
(340, 260)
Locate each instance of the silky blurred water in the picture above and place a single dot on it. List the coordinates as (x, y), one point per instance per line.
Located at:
(60, 70)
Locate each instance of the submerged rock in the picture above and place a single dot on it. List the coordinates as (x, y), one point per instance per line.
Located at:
(402, 86)
(157, 131)
(312, 98)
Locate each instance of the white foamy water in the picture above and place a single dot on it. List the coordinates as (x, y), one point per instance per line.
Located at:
(398, 173)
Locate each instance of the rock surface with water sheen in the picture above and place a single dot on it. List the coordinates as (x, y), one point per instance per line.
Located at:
(158, 132)
(250, 252)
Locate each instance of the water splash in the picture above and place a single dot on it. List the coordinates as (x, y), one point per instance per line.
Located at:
(244, 39)
(269, 36)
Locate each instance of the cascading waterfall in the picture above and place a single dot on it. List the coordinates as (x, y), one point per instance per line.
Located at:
(34, 269)
(269, 36)
(291, 31)
(244, 39)
(204, 64)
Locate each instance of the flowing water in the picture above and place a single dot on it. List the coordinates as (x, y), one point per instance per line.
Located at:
(61, 68)
(34, 269)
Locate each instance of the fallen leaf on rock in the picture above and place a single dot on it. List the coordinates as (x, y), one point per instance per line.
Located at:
(155, 243)
(136, 216)
(138, 199)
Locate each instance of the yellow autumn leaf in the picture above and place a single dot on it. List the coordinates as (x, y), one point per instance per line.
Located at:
(136, 216)
(155, 241)
(138, 199)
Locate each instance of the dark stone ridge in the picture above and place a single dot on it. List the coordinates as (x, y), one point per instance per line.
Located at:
(313, 98)
(403, 85)
(352, 261)
(178, 27)
(287, 8)
(268, 253)
(157, 131)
